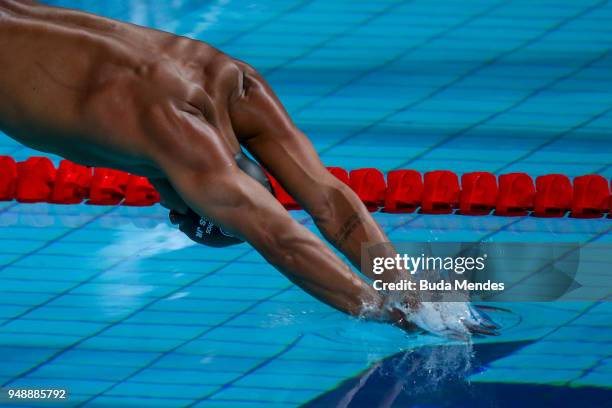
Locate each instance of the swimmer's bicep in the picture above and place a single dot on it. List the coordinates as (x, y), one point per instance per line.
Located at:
(293, 161)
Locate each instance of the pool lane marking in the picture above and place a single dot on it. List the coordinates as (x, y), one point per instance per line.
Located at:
(335, 36)
(178, 289)
(94, 276)
(298, 5)
(69, 231)
(469, 73)
(46, 245)
(207, 330)
(77, 284)
(288, 347)
(112, 324)
(601, 359)
(517, 220)
(407, 51)
(561, 256)
(578, 315)
(155, 300)
(559, 136)
(515, 104)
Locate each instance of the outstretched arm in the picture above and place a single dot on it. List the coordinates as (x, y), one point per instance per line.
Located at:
(264, 127)
(262, 124)
(205, 175)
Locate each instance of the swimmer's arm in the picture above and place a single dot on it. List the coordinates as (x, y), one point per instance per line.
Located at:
(244, 208)
(269, 134)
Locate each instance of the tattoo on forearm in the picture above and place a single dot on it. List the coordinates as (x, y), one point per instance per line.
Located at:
(347, 229)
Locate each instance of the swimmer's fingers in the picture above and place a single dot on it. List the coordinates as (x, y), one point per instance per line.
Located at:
(407, 326)
(480, 318)
(478, 329)
(487, 319)
(455, 335)
(479, 324)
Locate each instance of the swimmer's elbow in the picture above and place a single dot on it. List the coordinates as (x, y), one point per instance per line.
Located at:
(331, 202)
(281, 244)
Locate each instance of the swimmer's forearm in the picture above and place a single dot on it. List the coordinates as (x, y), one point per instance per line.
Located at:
(349, 225)
(307, 261)
(310, 264)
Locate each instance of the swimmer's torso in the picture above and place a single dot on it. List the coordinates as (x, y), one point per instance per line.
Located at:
(100, 92)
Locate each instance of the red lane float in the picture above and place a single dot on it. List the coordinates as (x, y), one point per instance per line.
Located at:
(140, 192)
(340, 173)
(369, 184)
(478, 194)
(553, 196)
(36, 180)
(404, 191)
(440, 192)
(72, 183)
(516, 195)
(591, 196)
(107, 187)
(8, 178)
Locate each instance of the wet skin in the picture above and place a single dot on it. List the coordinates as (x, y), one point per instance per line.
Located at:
(105, 93)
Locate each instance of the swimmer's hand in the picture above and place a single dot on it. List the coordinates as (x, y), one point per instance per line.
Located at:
(455, 320)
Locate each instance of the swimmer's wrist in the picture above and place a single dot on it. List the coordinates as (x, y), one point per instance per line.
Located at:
(401, 319)
(380, 310)
(397, 307)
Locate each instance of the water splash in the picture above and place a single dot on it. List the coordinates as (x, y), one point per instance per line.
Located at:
(209, 18)
(415, 375)
(122, 258)
(428, 369)
(140, 244)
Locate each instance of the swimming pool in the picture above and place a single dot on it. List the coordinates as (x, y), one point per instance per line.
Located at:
(116, 305)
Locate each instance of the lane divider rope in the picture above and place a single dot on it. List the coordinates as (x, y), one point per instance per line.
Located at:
(36, 180)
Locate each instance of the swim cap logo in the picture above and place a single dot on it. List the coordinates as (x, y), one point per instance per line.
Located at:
(208, 226)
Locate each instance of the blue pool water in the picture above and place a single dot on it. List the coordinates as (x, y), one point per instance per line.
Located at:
(116, 305)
